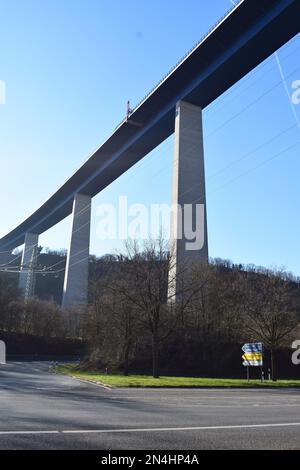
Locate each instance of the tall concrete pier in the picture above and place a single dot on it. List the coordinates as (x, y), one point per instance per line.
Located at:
(77, 266)
(189, 222)
(26, 276)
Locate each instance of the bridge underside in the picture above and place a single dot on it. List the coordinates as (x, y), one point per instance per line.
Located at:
(246, 37)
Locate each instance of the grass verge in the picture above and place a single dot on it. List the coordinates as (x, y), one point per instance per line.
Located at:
(176, 382)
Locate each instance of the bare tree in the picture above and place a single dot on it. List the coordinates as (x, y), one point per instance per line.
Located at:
(213, 315)
(8, 293)
(35, 317)
(110, 323)
(145, 282)
(271, 309)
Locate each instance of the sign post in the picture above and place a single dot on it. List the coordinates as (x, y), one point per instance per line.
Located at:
(253, 357)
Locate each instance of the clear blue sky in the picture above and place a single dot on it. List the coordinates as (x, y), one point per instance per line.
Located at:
(69, 68)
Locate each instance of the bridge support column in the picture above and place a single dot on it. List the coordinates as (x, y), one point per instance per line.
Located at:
(77, 266)
(28, 263)
(189, 223)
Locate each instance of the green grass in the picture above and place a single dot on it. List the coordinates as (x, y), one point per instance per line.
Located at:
(148, 381)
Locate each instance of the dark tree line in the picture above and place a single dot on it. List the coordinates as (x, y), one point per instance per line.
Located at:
(35, 317)
(133, 320)
(132, 311)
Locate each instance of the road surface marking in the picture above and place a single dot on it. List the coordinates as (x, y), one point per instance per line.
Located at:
(90, 382)
(136, 430)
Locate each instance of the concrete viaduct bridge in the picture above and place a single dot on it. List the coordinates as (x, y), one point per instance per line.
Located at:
(247, 35)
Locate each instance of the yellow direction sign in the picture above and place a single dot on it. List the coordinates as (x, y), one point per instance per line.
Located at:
(255, 356)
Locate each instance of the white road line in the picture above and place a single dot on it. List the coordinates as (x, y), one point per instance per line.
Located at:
(141, 430)
(90, 382)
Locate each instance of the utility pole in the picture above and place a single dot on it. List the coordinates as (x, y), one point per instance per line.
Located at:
(30, 281)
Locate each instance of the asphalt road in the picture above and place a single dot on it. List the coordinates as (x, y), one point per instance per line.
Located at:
(42, 410)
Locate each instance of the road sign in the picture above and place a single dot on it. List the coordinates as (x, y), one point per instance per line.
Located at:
(253, 348)
(253, 356)
(253, 363)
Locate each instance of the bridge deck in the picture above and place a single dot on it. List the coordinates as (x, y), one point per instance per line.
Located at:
(243, 39)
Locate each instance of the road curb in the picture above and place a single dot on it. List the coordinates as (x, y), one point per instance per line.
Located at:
(91, 382)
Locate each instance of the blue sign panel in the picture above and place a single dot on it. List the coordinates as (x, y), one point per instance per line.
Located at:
(253, 348)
